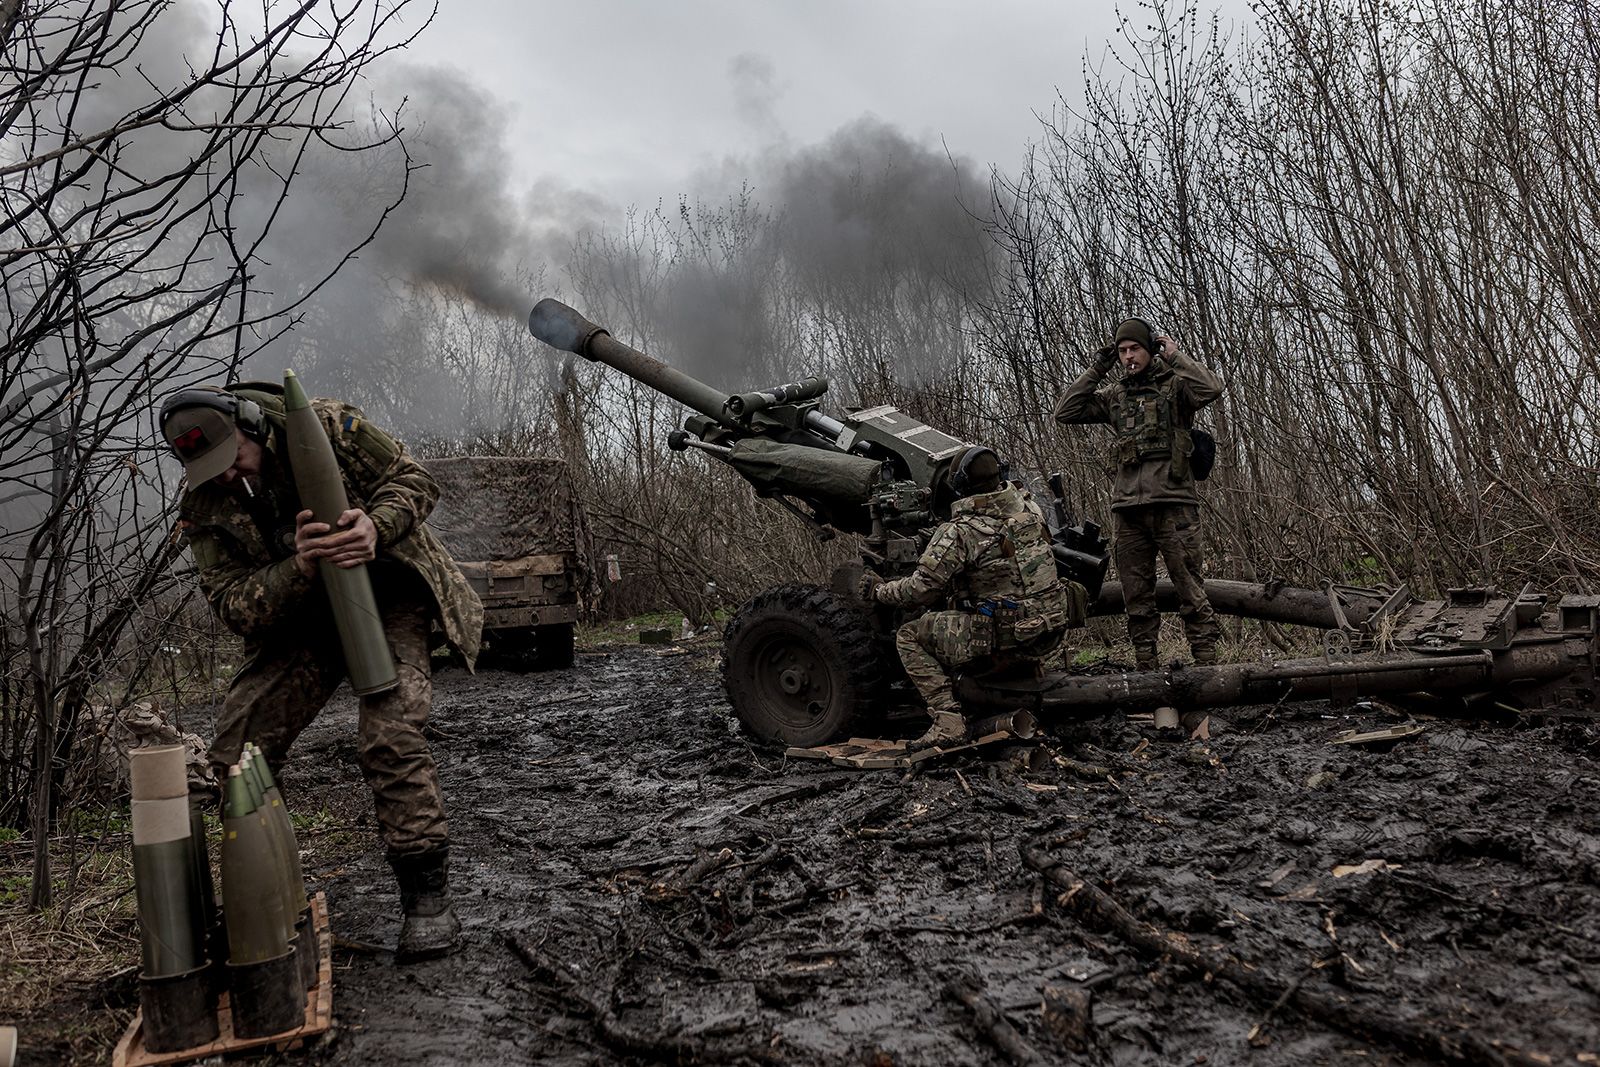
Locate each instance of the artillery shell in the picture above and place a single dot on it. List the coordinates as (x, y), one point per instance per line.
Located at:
(355, 613)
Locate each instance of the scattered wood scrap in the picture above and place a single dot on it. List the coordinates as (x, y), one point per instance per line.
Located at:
(1432, 1037)
(991, 1021)
(874, 753)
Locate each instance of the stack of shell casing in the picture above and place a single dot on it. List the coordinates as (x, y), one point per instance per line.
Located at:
(263, 899)
(172, 881)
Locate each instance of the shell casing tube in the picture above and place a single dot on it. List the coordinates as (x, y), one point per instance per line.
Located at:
(170, 924)
(252, 899)
(205, 889)
(367, 655)
(164, 883)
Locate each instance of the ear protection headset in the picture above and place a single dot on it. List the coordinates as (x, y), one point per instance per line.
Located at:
(1155, 349)
(961, 477)
(246, 414)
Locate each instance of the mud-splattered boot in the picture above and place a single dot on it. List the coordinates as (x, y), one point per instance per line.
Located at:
(1204, 655)
(949, 728)
(431, 928)
(1144, 658)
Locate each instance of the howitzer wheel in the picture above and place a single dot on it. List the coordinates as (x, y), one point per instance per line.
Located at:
(800, 666)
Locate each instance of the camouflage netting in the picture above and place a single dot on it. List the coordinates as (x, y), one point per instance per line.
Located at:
(507, 507)
(503, 507)
(128, 727)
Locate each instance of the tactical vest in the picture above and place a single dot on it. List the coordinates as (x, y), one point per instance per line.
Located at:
(1013, 580)
(1144, 418)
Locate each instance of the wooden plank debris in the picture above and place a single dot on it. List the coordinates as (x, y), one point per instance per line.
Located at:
(874, 753)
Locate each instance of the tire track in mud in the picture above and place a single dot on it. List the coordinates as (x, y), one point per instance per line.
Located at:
(639, 885)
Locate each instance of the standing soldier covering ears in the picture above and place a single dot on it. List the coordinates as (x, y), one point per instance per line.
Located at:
(1151, 405)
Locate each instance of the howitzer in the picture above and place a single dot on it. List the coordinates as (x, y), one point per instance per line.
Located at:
(804, 664)
(877, 472)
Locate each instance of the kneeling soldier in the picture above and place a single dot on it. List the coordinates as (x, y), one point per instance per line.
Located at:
(991, 560)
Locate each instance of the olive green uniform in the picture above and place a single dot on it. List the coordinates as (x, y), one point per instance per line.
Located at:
(1154, 506)
(991, 559)
(244, 549)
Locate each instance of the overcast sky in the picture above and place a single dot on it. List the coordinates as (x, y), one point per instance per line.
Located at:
(631, 100)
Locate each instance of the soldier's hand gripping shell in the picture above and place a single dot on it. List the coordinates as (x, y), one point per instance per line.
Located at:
(867, 587)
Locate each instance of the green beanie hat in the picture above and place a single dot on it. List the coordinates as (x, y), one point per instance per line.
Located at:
(1138, 331)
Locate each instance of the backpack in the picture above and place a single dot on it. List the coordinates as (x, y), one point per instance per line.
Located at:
(1204, 456)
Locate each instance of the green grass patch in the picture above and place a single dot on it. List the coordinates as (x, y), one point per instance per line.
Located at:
(1090, 657)
(626, 631)
(95, 821)
(14, 889)
(320, 821)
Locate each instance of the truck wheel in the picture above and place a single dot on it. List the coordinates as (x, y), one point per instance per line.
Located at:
(552, 646)
(800, 665)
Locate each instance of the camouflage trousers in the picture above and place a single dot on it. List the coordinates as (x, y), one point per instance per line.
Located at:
(1173, 532)
(285, 684)
(938, 642)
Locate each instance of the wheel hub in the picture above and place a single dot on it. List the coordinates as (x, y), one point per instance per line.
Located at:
(794, 680)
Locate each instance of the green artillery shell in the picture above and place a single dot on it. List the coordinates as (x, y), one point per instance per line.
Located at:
(163, 863)
(252, 902)
(355, 613)
(270, 808)
(296, 876)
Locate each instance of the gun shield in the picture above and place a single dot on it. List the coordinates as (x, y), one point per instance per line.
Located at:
(355, 613)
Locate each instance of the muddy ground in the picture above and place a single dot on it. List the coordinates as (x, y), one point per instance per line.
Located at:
(889, 918)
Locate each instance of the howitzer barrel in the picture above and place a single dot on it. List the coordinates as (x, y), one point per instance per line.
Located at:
(560, 326)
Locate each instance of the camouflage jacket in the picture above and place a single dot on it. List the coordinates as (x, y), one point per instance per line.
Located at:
(245, 555)
(992, 557)
(1151, 415)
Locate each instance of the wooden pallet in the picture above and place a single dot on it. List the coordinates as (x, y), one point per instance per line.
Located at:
(130, 1051)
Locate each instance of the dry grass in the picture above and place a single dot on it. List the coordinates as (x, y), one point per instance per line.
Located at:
(66, 972)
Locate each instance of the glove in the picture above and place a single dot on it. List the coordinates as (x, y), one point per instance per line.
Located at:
(867, 587)
(1106, 358)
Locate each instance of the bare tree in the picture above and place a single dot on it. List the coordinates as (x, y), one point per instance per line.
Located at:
(150, 150)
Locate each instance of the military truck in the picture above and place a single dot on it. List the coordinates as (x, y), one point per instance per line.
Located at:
(515, 527)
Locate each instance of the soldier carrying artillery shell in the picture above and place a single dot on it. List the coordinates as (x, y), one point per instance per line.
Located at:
(263, 563)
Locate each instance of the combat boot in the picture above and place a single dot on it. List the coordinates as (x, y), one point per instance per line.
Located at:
(1204, 655)
(431, 928)
(1144, 658)
(949, 728)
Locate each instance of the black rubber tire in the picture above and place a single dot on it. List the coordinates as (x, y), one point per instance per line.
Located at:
(801, 665)
(553, 646)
